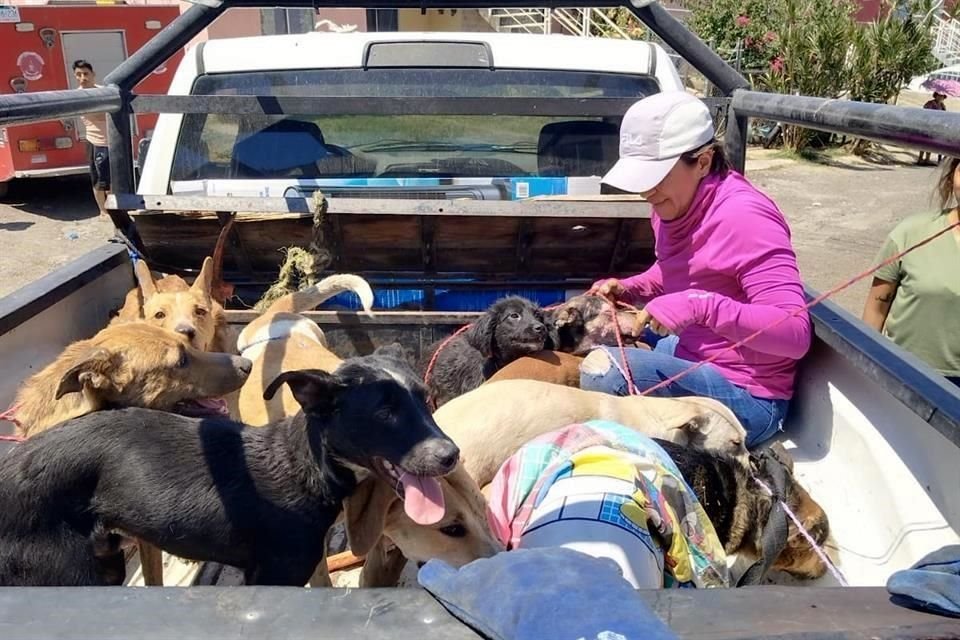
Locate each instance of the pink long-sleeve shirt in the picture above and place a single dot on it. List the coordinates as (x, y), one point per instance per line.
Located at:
(725, 270)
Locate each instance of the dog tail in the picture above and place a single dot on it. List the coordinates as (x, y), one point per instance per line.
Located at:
(312, 297)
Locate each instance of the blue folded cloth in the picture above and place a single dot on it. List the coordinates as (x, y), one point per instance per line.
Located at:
(532, 594)
(932, 584)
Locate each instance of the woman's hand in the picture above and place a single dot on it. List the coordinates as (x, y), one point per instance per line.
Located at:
(610, 288)
(645, 319)
(674, 312)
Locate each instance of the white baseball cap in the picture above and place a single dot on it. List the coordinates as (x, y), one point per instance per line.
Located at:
(655, 132)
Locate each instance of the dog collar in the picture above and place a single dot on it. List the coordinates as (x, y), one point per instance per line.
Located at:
(255, 343)
(275, 331)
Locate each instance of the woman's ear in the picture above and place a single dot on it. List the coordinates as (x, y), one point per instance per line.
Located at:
(704, 162)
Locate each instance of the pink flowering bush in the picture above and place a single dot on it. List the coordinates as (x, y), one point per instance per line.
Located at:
(749, 24)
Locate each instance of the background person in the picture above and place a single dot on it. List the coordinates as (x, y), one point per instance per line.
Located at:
(938, 103)
(95, 132)
(915, 301)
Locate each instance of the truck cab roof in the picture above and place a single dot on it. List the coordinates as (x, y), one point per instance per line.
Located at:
(507, 51)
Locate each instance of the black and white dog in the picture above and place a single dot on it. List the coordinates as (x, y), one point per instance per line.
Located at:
(261, 499)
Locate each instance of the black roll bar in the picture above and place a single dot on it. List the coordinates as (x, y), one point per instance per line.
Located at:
(925, 129)
(48, 105)
(162, 46)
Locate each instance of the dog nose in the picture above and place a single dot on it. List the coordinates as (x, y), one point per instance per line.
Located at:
(242, 365)
(186, 330)
(448, 456)
(539, 329)
(442, 452)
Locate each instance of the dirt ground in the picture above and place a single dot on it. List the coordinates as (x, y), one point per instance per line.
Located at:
(839, 210)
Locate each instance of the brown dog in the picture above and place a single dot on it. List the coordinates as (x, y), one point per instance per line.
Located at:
(131, 364)
(282, 340)
(555, 367)
(124, 365)
(171, 303)
(462, 536)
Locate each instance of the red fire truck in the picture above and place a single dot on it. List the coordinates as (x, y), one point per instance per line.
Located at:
(40, 43)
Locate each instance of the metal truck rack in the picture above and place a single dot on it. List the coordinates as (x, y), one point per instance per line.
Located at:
(213, 612)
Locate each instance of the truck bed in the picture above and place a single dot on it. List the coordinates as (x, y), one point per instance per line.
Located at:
(875, 437)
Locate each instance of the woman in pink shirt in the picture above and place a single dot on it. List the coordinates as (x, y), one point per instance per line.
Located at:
(724, 269)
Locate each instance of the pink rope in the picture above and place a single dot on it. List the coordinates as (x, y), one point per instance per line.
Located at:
(849, 283)
(806, 534)
(433, 360)
(10, 415)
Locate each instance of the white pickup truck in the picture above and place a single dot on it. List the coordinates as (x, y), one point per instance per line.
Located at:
(875, 433)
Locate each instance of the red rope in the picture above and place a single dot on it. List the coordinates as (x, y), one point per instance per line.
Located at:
(852, 281)
(436, 354)
(10, 415)
(631, 385)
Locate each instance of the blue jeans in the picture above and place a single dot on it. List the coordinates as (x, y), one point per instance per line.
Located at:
(761, 417)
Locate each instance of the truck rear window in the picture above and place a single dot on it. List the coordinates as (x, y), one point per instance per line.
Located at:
(224, 146)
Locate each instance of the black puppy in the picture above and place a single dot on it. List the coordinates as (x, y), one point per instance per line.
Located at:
(512, 327)
(260, 499)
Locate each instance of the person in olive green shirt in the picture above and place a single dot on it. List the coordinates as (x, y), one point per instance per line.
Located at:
(915, 301)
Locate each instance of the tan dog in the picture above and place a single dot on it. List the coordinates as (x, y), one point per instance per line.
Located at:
(124, 365)
(282, 340)
(492, 422)
(462, 536)
(171, 303)
(555, 367)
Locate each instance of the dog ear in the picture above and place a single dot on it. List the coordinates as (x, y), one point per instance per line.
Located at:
(483, 334)
(393, 350)
(315, 390)
(699, 425)
(365, 513)
(780, 453)
(89, 371)
(148, 288)
(204, 282)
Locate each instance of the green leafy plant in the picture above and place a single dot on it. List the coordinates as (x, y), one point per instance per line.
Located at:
(888, 52)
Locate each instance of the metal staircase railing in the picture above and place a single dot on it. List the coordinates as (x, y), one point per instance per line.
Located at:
(946, 46)
(586, 22)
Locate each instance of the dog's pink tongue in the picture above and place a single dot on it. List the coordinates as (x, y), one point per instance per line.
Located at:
(214, 405)
(422, 499)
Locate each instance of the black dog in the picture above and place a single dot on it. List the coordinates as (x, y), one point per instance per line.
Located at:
(261, 499)
(512, 327)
